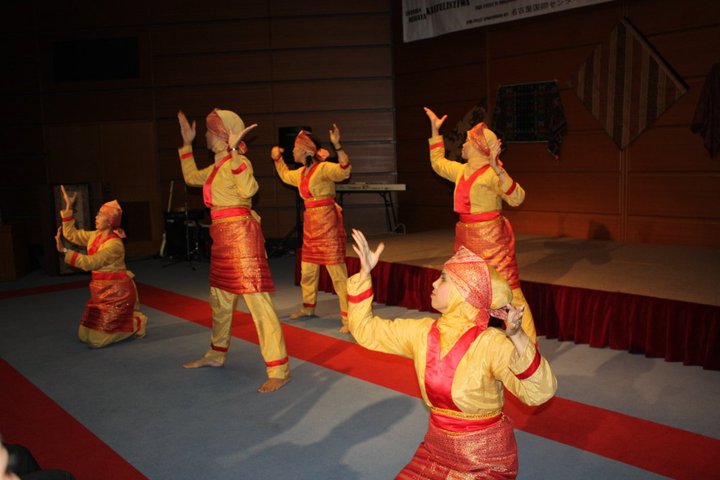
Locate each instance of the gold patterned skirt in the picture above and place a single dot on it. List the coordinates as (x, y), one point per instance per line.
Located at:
(111, 307)
(324, 237)
(238, 262)
(487, 453)
(493, 240)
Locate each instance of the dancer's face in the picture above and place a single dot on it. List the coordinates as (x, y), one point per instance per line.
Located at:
(441, 292)
(215, 143)
(102, 221)
(299, 155)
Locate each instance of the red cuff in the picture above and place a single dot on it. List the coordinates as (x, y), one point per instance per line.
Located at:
(437, 145)
(276, 363)
(361, 296)
(73, 259)
(309, 305)
(512, 188)
(347, 165)
(185, 155)
(67, 219)
(240, 169)
(218, 349)
(532, 368)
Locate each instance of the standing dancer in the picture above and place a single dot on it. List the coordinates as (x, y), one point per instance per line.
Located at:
(238, 262)
(460, 363)
(113, 311)
(324, 236)
(481, 185)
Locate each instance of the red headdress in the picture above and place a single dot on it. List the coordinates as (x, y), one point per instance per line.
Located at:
(304, 142)
(479, 285)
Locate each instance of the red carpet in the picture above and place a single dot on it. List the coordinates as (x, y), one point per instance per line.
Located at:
(651, 446)
(55, 438)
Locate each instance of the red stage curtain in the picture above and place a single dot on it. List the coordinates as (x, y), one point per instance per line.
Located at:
(674, 330)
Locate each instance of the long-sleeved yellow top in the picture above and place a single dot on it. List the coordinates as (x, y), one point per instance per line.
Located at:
(490, 362)
(322, 182)
(110, 256)
(233, 185)
(487, 191)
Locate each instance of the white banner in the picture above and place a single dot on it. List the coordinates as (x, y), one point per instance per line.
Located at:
(430, 18)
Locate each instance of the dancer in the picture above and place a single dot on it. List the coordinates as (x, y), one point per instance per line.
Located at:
(323, 231)
(461, 365)
(238, 262)
(481, 185)
(113, 312)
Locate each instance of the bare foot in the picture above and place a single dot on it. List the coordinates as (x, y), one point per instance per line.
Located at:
(272, 384)
(203, 362)
(344, 329)
(300, 314)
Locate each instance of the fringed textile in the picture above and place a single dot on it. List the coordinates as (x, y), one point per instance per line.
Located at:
(494, 241)
(238, 263)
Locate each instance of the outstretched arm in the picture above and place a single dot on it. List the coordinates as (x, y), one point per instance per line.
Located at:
(435, 122)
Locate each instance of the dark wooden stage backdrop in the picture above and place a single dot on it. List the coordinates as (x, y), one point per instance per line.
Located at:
(285, 63)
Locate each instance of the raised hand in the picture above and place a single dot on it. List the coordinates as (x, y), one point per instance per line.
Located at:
(276, 153)
(435, 122)
(495, 162)
(58, 240)
(187, 130)
(236, 138)
(335, 136)
(69, 198)
(368, 258)
(513, 324)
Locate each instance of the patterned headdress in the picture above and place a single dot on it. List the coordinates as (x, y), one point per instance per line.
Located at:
(224, 122)
(304, 142)
(479, 285)
(482, 138)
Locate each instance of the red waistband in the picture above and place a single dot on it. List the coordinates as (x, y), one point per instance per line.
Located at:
(478, 217)
(229, 212)
(454, 424)
(319, 203)
(109, 275)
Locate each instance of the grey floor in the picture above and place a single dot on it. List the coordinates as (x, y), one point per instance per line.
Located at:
(172, 423)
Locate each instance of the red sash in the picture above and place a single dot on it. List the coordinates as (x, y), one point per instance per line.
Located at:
(305, 176)
(462, 191)
(97, 243)
(440, 372)
(207, 187)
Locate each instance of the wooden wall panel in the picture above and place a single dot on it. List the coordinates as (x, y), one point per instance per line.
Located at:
(447, 51)
(453, 84)
(352, 62)
(568, 29)
(572, 192)
(172, 11)
(284, 8)
(215, 68)
(565, 224)
(652, 16)
(220, 36)
(674, 231)
(330, 31)
(332, 95)
(677, 195)
(581, 152)
(674, 48)
(73, 152)
(355, 126)
(672, 149)
(199, 101)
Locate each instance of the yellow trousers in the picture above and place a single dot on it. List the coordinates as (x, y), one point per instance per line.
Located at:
(309, 280)
(267, 324)
(528, 324)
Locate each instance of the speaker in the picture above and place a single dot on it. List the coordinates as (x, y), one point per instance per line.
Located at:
(286, 141)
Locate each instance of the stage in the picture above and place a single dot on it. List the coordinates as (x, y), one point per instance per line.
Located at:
(659, 300)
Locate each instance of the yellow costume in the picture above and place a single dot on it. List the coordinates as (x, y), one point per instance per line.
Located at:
(113, 312)
(238, 263)
(461, 368)
(478, 197)
(324, 236)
